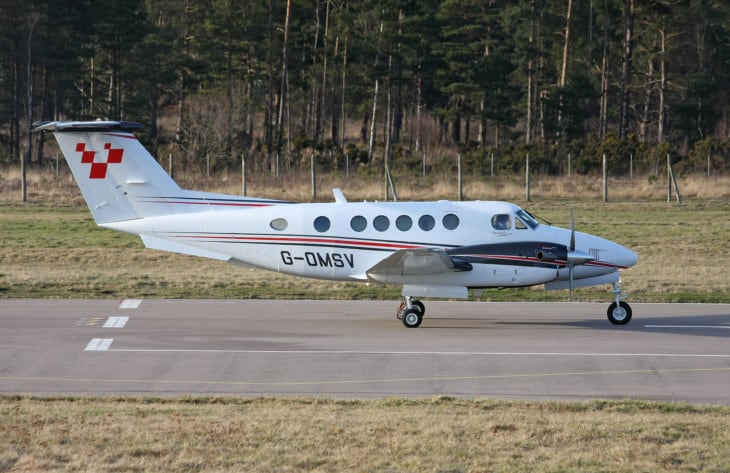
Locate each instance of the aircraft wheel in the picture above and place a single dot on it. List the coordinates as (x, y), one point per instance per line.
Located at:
(619, 314)
(418, 305)
(412, 318)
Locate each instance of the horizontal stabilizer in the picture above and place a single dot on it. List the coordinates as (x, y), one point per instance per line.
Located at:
(97, 126)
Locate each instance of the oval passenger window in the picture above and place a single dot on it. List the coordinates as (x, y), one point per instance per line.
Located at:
(404, 223)
(279, 224)
(321, 224)
(358, 223)
(381, 223)
(450, 221)
(426, 223)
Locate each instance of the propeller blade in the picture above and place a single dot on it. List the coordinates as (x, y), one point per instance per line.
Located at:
(570, 286)
(574, 256)
(572, 231)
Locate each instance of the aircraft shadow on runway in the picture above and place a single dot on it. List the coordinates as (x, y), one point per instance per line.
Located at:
(713, 325)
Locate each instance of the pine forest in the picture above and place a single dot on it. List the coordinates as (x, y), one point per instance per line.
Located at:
(378, 83)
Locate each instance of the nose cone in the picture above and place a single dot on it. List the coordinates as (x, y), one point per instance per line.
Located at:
(623, 257)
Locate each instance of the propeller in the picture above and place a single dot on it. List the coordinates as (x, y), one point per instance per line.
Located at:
(571, 249)
(574, 256)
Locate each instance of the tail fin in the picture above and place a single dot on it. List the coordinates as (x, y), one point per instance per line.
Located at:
(118, 178)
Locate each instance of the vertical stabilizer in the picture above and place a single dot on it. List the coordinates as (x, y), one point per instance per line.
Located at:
(119, 179)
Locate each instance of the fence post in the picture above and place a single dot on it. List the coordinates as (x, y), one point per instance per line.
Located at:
(672, 181)
(669, 179)
(605, 178)
(461, 177)
(527, 176)
(23, 178)
(169, 165)
(631, 165)
(568, 164)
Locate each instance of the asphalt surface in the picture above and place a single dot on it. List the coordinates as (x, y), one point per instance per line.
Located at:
(357, 349)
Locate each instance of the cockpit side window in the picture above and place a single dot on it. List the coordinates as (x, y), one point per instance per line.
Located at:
(527, 218)
(519, 224)
(501, 222)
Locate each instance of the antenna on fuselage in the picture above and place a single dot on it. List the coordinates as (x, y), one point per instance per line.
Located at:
(339, 196)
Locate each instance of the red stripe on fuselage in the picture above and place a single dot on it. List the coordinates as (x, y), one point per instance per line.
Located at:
(313, 240)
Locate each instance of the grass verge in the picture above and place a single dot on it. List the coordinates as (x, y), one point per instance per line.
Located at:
(439, 435)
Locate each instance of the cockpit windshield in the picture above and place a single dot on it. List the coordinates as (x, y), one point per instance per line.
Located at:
(527, 217)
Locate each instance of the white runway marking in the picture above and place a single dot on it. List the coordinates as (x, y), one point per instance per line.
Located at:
(99, 344)
(688, 326)
(422, 353)
(130, 303)
(116, 322)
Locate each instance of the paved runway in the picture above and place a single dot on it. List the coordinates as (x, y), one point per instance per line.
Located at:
(357, 349)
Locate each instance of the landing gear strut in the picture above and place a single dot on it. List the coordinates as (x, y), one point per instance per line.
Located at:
(619, 312)
(411, 312)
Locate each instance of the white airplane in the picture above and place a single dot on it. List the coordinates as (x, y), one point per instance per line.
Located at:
(432, 249)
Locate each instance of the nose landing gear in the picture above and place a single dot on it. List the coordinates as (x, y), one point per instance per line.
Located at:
(619, 312)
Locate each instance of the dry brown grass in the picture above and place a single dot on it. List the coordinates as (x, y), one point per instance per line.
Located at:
(440, 434)
(45, 187)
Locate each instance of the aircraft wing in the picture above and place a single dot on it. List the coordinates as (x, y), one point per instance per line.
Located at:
(403, 265)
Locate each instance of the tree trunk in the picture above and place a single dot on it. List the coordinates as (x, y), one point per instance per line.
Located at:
(334, 109)
(342, 94)
(603, 117)
(229, 84)
(371, 144)
(321, 104)
(626, 67)
(482, 124)
(284, 74)
(644, 122)
(268, 119)
(530, 85)
(661, 121)
(419, 86)
(564, 68)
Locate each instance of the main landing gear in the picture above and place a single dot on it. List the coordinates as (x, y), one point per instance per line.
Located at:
(410, 312)
(619, 312)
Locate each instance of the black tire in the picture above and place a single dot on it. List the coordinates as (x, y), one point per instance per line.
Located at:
(412, 318)
(619, 314)
(418, 305)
